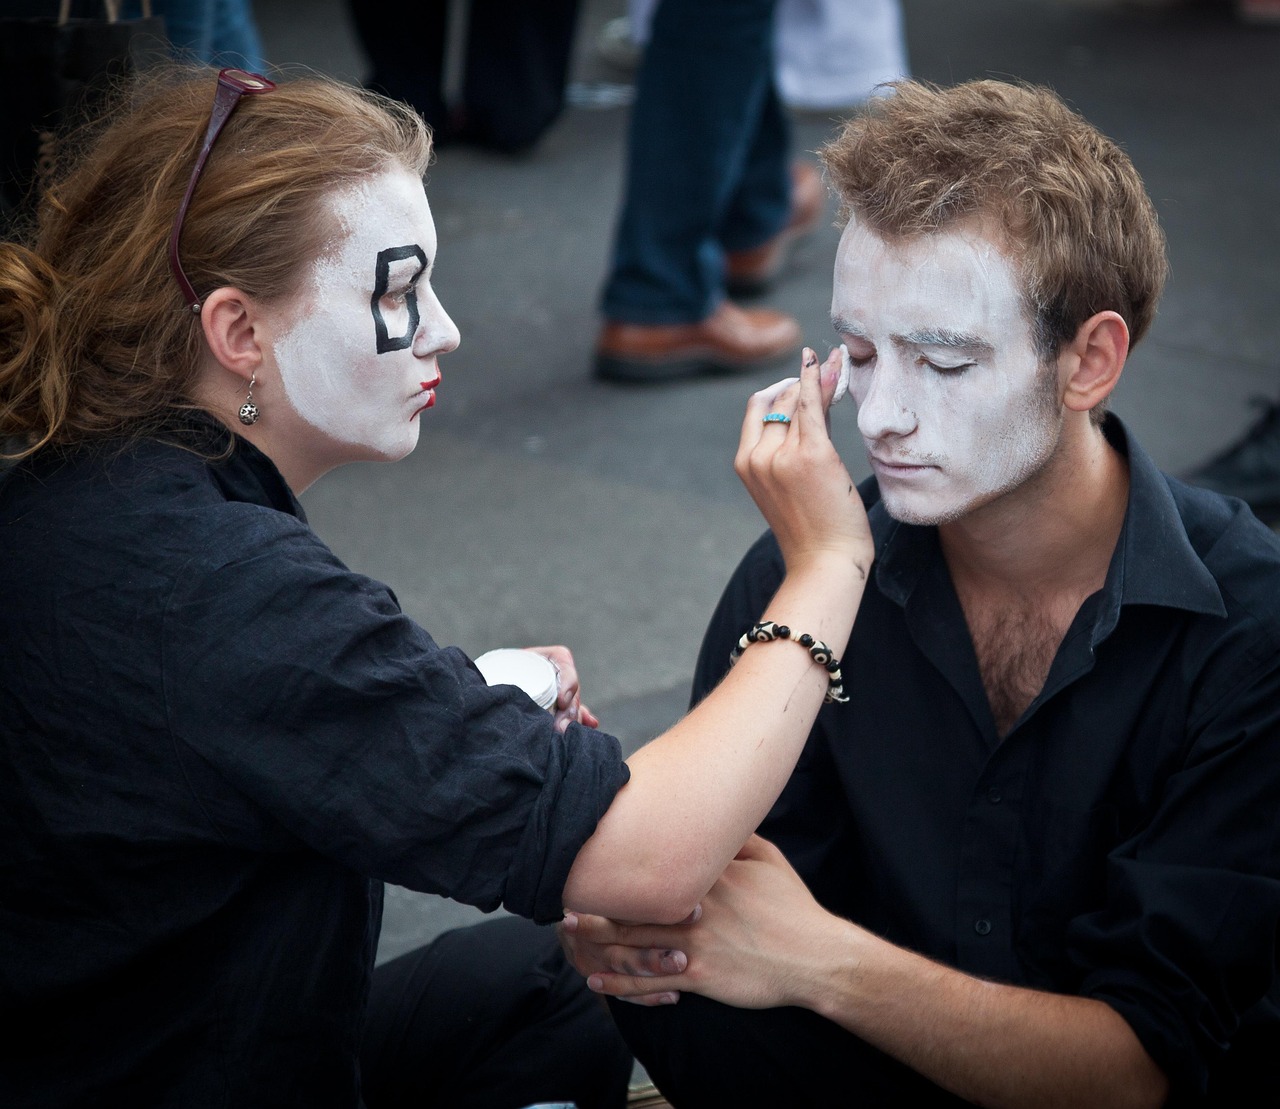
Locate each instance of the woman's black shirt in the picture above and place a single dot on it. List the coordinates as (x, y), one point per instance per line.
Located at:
(216, 741)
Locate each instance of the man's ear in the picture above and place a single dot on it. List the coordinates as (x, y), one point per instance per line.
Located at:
(229, 320)
(1092, 361)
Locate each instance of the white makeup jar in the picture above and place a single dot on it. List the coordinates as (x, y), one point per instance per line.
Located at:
(527, 670)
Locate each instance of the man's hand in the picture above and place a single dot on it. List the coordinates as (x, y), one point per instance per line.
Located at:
(569, 706)
(762, 941)
(752, 944)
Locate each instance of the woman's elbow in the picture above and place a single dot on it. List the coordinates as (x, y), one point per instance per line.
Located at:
(653, 893)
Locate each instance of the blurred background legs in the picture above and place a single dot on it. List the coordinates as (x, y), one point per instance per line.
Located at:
(707, 174)
(514, 65)
(830, 53)
(219, 32)
(713, 205)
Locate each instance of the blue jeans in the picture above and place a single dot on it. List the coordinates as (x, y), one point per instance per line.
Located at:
(221, 32)
(707, 166)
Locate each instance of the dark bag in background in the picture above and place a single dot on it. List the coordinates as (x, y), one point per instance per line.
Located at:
(51, 66)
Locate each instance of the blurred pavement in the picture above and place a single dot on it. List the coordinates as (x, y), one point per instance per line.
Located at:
(541, 506)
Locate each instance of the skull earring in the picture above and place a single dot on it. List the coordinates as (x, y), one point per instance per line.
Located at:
(249, 411)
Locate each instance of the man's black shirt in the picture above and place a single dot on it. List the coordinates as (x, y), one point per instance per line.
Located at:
(1121, 842)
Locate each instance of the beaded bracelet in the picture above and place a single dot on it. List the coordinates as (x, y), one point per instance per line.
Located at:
(823, 655)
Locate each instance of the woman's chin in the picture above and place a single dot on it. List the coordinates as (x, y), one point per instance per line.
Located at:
(381, 448)
(402, 446)
(411, 440)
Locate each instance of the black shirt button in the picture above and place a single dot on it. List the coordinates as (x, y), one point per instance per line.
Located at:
(994, 796)
(982, 926)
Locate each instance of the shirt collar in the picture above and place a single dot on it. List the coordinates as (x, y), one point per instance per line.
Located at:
(1154, 562)
(241, 470)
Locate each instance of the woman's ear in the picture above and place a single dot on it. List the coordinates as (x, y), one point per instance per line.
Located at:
(1092, 361)
(229, 319)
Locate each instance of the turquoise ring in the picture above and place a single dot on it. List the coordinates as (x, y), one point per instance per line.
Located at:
(777, 418)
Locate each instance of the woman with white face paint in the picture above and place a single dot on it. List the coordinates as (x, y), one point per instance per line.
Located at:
(218, 741)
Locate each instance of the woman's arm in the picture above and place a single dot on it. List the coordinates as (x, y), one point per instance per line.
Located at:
(699, 790)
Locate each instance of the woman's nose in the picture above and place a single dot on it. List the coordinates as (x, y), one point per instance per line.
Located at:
(437, 333)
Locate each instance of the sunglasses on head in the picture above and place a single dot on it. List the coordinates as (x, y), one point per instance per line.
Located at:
(232, 85)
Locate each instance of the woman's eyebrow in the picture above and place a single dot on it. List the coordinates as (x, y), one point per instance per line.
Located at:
(398, 268)
(390, 257)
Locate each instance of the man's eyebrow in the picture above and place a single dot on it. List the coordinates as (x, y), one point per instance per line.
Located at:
(846, 327)
(973, 345)
(945, 337)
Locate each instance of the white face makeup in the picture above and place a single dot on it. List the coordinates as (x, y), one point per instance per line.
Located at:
(358, 362)
(954, 404)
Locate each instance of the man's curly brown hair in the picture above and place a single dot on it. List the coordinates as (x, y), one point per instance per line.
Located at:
(1062, 200)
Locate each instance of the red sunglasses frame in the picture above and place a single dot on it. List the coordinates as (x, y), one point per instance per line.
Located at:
(232, 85)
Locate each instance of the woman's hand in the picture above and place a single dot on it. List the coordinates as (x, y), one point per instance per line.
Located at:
(698, 791)
(569, 707)
(794, 473)
(603, 948)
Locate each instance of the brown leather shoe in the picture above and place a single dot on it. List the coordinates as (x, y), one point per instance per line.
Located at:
(747, 272)
(730, 340)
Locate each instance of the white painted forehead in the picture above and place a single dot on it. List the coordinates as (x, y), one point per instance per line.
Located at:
(960, 270)
(974, 237)
(388, 209)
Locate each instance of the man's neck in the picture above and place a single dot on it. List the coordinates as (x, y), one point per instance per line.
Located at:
(1053, 535)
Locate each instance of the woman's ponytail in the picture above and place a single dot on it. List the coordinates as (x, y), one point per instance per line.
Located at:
(34, 373)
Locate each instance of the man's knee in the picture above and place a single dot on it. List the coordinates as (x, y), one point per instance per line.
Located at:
(703, 1055)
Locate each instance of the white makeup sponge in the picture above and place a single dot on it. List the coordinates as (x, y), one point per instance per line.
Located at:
(842, 382)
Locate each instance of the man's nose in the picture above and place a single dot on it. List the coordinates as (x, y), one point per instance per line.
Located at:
(884, 408)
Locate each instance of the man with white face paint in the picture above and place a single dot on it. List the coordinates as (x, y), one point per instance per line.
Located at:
(955, 404)
(1032, 860)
